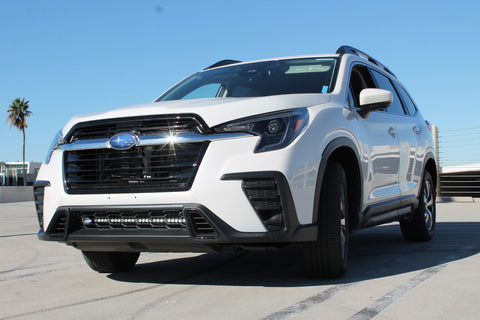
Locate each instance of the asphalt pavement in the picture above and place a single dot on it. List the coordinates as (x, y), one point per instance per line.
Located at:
(387, 278)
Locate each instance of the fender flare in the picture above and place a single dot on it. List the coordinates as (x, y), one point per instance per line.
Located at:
(331, 148)
(430, 155)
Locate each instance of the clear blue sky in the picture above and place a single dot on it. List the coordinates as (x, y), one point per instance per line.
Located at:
(70, 57)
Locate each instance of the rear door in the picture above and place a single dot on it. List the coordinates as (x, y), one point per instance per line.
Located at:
(412, 125)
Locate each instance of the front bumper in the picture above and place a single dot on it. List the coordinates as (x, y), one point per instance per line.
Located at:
(202, 232)
(184, 227)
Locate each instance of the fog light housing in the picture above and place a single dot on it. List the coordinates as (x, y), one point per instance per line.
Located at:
(39, 194)
(264, 196)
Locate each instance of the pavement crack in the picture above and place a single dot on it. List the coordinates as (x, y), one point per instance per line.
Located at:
(173, 281)
(17, 235)
(383, 302)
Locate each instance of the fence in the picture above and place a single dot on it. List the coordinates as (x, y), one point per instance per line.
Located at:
(459, 147)
(459, 162)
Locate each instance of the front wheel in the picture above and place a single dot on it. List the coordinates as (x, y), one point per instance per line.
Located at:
(421, 226)
(110, 262)
(327, 257)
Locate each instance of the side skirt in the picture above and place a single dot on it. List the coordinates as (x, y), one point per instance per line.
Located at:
(387, 212)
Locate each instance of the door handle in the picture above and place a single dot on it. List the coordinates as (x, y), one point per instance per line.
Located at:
(416, 129)
(392, 131)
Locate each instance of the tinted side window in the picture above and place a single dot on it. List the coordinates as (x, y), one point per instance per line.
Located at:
(351, 99)
(360, 79)
(407, 101)
(384, 83)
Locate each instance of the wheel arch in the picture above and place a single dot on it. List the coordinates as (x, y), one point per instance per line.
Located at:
(431, 166)
(344, 151)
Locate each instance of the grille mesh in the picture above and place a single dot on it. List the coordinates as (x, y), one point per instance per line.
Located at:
(140, 169)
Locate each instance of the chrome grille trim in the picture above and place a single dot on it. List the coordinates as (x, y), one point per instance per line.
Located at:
(161, 139)
(140, 125)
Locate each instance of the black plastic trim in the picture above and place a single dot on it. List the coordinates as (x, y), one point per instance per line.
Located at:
(39, 196)
(176, 240)
(351, 50)
(289, 211)
(333, 146)
(389, 211)
(222, 63)
(435, 175)
(41, 183)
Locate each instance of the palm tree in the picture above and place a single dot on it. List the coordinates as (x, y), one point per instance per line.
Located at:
(17, 116)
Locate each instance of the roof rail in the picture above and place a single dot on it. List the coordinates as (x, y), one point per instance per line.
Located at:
(352, 50)
(221, 63)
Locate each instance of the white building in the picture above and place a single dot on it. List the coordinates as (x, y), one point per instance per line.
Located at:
(11, 173)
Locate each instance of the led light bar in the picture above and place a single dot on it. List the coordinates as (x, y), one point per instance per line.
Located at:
(165, 220)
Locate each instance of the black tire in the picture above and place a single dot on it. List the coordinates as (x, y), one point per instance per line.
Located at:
(110, 262)
(327, 257)
(421, 226)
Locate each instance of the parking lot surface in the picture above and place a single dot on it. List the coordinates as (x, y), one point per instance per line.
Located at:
(387, 278)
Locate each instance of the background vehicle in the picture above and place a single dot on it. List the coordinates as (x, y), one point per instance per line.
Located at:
(262, 154)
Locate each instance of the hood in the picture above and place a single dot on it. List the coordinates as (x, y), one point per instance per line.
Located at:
(213, 111)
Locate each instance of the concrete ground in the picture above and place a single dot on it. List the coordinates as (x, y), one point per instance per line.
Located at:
(387, 278)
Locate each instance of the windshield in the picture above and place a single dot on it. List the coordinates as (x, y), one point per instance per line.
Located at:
(312, 75)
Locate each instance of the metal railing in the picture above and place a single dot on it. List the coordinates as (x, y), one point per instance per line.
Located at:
(460, 147)
(459, 161)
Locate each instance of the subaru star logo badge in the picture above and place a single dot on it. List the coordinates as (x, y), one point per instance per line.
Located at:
(123, 141)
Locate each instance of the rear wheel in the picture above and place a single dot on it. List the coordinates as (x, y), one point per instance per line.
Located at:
(421, 226)
(327, 257)
(110, 262)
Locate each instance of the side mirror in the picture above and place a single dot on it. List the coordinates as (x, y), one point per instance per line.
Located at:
(374, 99)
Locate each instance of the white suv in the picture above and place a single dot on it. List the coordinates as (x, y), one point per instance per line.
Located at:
(245, 155)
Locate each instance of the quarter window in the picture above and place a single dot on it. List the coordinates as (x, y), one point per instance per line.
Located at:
(407, 101)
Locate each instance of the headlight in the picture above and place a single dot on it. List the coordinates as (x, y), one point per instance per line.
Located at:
(276, 130)
(58, 140)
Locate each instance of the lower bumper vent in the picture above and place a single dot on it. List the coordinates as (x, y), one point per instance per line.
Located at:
(59, 225)
(200, 225)
(264, 195)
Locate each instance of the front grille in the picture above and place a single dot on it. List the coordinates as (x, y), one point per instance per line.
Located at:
(131, 219)
(264, 195)
(158, 168)
(170, 124)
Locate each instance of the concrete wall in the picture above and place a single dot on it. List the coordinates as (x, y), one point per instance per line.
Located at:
(16, 194)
